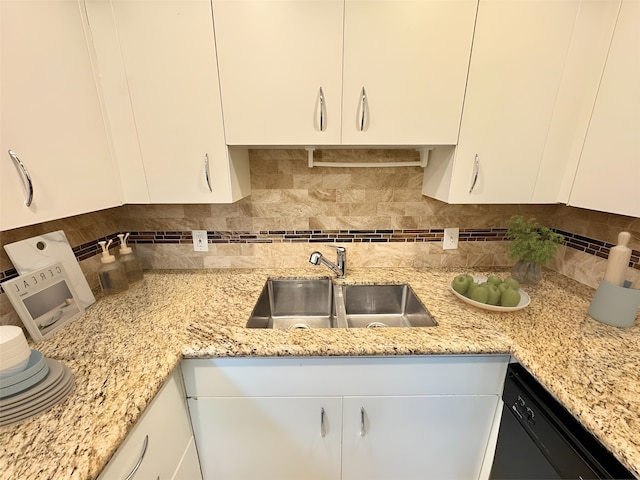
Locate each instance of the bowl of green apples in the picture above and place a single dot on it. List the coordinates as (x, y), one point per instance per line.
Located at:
(490, 293)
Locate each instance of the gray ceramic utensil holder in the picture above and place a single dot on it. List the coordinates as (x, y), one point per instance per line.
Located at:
(614, 305)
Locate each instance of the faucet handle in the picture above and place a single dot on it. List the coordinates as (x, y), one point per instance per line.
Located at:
(337, 247)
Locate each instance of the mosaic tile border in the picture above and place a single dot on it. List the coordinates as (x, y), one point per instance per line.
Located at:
(87, 250)
(319, 236)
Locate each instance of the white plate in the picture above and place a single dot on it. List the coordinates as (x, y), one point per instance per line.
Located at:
(37, 362)
(524, 299)
(25, 384)
(56, 372)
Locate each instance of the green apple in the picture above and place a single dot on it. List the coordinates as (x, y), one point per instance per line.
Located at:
(472, 287)
(494, 280)
(513, 283)
(480, 294)
(494, 294)
(461, 284)
(510, 298)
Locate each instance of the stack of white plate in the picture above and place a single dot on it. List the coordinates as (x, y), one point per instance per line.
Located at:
(35, 388)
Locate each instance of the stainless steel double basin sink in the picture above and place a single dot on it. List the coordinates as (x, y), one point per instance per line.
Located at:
(320, 303)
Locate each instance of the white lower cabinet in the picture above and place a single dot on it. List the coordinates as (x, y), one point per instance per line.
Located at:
(416, 437)
(160, 446)
(344, 418)
(189, 467)
(261, 438)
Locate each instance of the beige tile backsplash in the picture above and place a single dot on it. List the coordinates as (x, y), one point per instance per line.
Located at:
(288, 195)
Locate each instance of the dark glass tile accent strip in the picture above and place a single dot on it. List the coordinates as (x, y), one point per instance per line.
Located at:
(571, 240)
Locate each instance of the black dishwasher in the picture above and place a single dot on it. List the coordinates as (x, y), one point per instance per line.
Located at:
(540, 439)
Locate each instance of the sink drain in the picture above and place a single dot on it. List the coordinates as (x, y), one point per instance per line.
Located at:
(300, 325)
(376, 325)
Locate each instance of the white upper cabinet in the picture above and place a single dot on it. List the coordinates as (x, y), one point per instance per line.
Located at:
(274, 58)
(337, 72)
(51, 116)
(608, 175)
(161, 82)
(410, 58)
(524, 55)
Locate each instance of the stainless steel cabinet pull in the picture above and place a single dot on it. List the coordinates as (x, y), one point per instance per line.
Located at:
(362, 425)
(363, 108)
(323, 429)
(323, 111)
(206, 171)
(145, 444)
(26, 178)
(476, 169)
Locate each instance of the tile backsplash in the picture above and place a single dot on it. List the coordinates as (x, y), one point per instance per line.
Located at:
(378, 213)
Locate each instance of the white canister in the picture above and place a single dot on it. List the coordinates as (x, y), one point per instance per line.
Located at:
(619, 257)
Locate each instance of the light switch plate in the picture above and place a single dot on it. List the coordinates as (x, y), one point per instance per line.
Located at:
(200, 243)
(450, 239)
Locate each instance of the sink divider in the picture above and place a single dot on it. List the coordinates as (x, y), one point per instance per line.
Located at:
(341, 311)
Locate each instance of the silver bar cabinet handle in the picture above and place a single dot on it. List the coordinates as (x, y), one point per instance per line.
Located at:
(26, 178)
(362, 426)
(206, 171)
(323, 429)
(476, 169)
(363, 105)
(323, 111)
(145, 444)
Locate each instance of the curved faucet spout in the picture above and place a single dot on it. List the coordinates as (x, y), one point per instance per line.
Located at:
(315, 258)
(339, 268)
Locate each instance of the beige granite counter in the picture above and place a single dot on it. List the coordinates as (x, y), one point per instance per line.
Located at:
(123, 348)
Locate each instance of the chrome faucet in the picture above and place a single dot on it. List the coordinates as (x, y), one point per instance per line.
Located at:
(339, 268)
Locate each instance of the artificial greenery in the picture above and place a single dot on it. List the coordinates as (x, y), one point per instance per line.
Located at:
(530, 241)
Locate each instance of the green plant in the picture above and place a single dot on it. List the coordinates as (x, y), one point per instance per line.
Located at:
(530, 241)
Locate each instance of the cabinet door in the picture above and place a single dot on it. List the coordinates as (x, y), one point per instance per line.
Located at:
(274, 57)
(608, 175)
(519, 53)
(419, 437)
(268, 438)
(51, 116)
(165, 426)
(189, 467)
(411, 59)
(168, 51)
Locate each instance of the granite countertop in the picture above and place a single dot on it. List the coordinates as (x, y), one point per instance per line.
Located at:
(123, 348)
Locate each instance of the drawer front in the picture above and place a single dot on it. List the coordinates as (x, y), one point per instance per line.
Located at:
(400, 375)
(157, 442)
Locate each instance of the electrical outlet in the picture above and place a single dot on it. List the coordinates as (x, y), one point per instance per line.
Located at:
(200, 243)
(450, 240)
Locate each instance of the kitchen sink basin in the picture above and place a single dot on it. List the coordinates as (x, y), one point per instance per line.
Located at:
(319, 303)
(295, 303)
(384, 306)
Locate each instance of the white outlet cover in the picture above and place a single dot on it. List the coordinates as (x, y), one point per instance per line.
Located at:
(450, 239)
(200, 243)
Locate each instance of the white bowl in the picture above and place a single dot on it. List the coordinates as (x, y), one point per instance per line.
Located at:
(37, 362)
(524, 299)
(6, 353)
(14, 357)
(14, 364)
(17, 368)
(11, 337)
